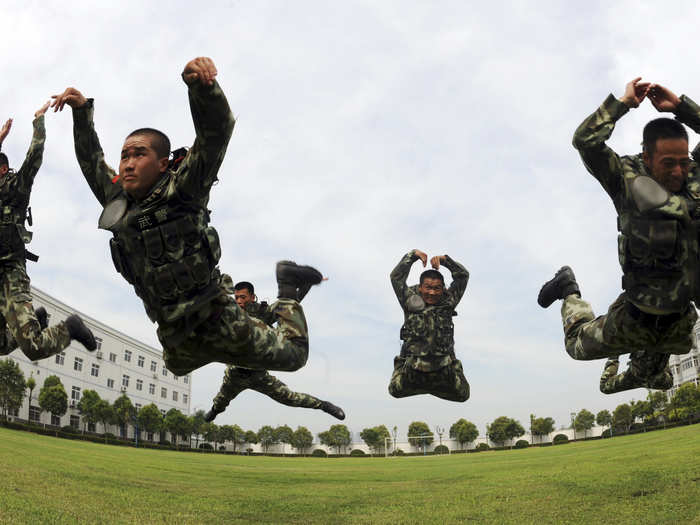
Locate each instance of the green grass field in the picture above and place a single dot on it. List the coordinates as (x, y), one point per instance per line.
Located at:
(647, 478)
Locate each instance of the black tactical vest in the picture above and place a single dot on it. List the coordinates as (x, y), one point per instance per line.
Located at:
(13, 212)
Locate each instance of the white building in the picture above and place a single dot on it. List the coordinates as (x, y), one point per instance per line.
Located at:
(121, 364)
(686, 368)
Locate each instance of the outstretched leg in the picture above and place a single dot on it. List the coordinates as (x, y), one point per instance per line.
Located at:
(645, 370)
(271, 386)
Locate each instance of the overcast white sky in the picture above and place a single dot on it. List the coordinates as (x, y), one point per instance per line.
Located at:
(364, 129)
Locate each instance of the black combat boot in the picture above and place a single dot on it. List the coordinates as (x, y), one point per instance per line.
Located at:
(42, 316)
(80, 332)
(560, 286)
(294, 280)
(211, 415)
(330, 408)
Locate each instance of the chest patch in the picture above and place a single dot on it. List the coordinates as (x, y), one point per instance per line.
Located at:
(415, 303)
(648, 194)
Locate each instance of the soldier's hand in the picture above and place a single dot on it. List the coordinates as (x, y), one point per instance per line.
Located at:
(5, 130)
(436, 261)
(70, 96)
(200, 68)
(42, 109)
(422, 256)
(635, 91)
(663, 98)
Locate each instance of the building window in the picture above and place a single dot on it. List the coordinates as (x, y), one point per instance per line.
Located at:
(165, 372)
(110, 383)
(139, 384)
(75, 394)
(55, 420)
(127, 356)
(95, 372)
(163, 393)
(142, 360)
(113, 357)
(78, 364)
(13, 412)
(137, 406)
(174, 395)
(60, 358)
(125, 381)
(184, 398)
(175, 377)
(151, 388)
(98, 341)
(91, 427)
(34, 414)
(162, 411)
(153, 366)
(187, 379)
(75, 421)
(150, 436)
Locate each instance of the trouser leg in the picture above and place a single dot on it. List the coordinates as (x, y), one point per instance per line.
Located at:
(271, 386)
(21, 321)
(400, 382)
(449, 383)
(230, 388)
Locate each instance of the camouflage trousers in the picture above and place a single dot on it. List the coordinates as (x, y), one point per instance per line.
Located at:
(645, 370)
(18, 323)
(229, 335)
(447, 383)
(620, 331)
(237, 379)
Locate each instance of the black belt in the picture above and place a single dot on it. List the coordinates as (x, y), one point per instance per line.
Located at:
(659, 321)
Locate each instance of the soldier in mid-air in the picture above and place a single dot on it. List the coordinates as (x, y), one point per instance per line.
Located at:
(657, 198)
(237, 379)
(165, 248)
(427, 363)
(20, 325)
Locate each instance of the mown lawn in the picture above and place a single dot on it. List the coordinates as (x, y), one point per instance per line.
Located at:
(647, 478)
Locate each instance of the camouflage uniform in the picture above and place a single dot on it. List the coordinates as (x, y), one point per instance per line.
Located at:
(658, 251)
(648, 368)
(18, 323)
(164, 247)
(237, 379)
(427, 363)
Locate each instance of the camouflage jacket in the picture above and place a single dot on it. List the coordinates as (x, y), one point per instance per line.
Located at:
(15, 189)
(162, 244)
(658, 242)
(428, 332)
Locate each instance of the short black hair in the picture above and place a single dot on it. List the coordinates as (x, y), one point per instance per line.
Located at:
(159, 140)
(661, 128)
(432, 274)
(244, 285)
(3, 160)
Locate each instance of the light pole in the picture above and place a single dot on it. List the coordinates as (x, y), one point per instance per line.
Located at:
(440, 431)
(396, 433)
(573, 416)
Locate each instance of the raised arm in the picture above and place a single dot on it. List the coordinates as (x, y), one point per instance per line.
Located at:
(400, 273)
(213, 123)
(87, 145)
(686, 111)
(35, 154)
(589, 139)
(460, 277)
(5, 130)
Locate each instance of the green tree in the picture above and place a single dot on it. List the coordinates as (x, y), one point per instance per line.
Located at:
(177, 424)
(302, 439)
(541, 426)
(53, 397)
(685, 403)
(337, 436)
(124, 412)
(584, 421)
(234, 434)
(659, 405)
(622, 417)
(641, 410)
(196, 422)
(105, 414)
(464, 432)
(212, 433)
(150, 419)
(251, 437)
(604, 419)
(419, 428)
(31, 385)
(86, 407)
(375, 437)
(504, 428)
(284, 435)
(267, 437)
(12, 386)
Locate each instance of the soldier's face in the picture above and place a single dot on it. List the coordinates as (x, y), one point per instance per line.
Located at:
(4, 169)
(243, 298)
(431, 290)
(669, 164)
(140, 167)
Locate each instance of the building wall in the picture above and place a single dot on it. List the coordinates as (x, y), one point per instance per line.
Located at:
(120, 364)
(686, 368)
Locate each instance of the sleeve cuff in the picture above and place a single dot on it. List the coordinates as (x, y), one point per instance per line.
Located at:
(615, 107)
(687, 109)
